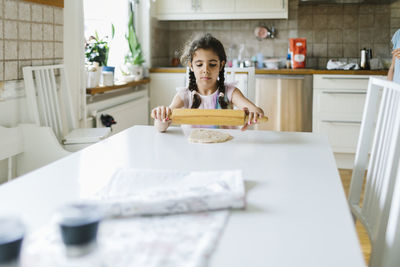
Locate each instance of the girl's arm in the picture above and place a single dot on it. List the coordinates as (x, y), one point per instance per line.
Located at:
(254, 112)
(161, 114)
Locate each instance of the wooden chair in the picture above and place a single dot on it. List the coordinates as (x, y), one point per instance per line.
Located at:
(382, 161)
(27, 147)
(49, 104)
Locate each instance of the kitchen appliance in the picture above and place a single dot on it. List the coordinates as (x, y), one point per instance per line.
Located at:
(366, 55)
(286, 100)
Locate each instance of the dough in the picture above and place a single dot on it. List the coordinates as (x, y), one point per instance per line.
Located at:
(208, 136)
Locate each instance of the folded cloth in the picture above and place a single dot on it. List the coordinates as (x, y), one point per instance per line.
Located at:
(133, 192)
(338, 65)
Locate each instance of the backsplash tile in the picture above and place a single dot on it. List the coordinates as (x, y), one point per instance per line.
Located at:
(24, 11)
(10, 9)
(24, 31)
(37, 13)
(10, 29)
(11, 70)
(332, 31)
(30, 34)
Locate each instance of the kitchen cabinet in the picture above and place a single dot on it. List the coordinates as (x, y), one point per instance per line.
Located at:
(163, 87)
(338, 107)
(286, 101)
(220, 9)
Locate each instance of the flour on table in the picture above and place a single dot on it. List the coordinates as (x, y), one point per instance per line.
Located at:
(208, 136)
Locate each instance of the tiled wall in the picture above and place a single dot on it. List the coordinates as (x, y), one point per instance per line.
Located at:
(30, 34)
(332, 31)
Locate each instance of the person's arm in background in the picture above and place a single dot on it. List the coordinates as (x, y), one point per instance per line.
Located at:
(391, 70)
(396, 55)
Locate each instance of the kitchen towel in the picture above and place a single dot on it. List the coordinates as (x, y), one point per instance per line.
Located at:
(132, 192)
(183, 234)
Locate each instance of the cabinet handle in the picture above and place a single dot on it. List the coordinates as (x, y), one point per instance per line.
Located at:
(338, 121)
(345, 78)
(198, 4)
(283, 4)
(344, 92)
(194, 4)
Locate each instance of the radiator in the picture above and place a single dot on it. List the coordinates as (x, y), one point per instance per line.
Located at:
(126, 115)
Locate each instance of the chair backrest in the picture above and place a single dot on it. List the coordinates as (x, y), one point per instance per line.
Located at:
(49, 99)
(391, 246)
(373, 210)
(245, 77)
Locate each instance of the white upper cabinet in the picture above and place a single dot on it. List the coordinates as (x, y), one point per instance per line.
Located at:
(220, 9)
(174, 7)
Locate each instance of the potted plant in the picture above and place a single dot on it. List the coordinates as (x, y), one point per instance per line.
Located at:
(96, 54)
(134, 59)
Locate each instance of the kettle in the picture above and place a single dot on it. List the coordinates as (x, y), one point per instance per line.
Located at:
(366, 55)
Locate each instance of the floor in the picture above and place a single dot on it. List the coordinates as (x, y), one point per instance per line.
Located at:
(345, 175)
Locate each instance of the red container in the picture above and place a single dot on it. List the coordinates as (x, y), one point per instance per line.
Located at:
(298, 51)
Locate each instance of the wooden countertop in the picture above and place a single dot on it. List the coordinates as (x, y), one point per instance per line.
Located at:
(287, 71)
(102, 89)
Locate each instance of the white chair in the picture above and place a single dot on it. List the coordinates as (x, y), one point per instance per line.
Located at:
(23, 147)
(49, 104)
(383, 164)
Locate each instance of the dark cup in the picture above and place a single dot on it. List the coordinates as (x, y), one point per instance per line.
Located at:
(11, 237)
(79, 224)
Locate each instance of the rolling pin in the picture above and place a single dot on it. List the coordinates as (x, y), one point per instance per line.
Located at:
(226, 117)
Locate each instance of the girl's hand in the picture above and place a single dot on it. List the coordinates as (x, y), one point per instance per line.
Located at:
(161, 113)
(396, 53)
(253, 117)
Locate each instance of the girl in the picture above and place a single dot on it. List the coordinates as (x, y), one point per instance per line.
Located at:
(206, 59)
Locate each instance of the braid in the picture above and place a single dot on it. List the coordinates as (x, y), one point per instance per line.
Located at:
(221, 89)
(193, 87)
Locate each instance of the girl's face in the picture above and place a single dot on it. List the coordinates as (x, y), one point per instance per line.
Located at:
(206, 66)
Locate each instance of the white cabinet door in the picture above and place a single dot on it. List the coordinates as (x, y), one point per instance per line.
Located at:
(260, 5)
(169, 7)
(338, 106)
(220, 9)
(163, 87)
(216, 6)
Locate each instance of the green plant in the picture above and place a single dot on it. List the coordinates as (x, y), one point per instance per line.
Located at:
(135, 56)
(96, 48)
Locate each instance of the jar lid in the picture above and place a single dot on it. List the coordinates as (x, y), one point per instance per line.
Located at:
(108, 68)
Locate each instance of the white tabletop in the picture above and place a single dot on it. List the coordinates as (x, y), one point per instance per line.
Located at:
(296, 214)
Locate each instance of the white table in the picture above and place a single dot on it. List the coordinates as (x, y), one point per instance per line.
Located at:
(296, 214)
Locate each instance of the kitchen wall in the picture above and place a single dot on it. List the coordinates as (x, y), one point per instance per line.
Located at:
(30, 34)
(332, 31)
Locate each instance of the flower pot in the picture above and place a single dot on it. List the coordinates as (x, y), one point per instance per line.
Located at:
(136, 71)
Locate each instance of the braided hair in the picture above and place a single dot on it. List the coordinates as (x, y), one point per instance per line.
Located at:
(207, 42)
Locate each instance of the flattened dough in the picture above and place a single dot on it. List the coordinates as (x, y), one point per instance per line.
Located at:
(208, 136)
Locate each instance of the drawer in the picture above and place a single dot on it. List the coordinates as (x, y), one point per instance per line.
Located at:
(341, 82)
(345, 103)
(342, 135)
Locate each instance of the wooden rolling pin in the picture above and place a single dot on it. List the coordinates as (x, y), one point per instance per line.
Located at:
(227, 117)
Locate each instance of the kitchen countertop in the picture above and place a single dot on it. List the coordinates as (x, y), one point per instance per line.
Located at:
(285, 71)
